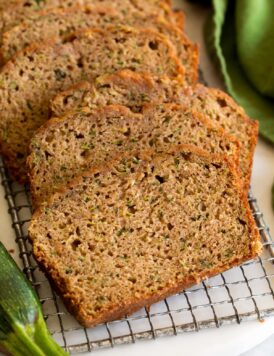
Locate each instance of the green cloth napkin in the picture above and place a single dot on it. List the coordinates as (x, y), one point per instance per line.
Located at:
(241, 35)
(255, 42)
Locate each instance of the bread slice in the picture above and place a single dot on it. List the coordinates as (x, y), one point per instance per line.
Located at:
(135, 89)
(135, 230)
(65, 147)
(226, 113)
(18, 11)
(60, 23)
(37, 74)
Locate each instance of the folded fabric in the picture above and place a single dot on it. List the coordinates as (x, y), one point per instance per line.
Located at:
(255, 42)
(241, 35)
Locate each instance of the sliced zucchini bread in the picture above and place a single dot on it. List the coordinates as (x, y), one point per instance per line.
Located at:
(135, 89)
(19, 11)
(137, 229)
(65, 147)
(37, 74)
(61, 23)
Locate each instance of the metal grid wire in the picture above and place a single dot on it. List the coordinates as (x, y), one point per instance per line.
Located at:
(240, 294)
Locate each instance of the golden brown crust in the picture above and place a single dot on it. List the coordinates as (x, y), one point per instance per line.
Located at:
(195, 62)
(142, 79)
(180, 19)
(253, 132)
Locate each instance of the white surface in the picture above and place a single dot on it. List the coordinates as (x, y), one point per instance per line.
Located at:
(264, 349)
(228, 340)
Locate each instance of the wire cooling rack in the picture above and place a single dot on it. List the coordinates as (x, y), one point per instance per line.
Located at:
(240, 294)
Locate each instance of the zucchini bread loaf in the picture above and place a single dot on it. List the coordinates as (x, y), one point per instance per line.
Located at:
(37, 74)
(140, 228)
(18, 11)
(135, 89)
(61, 23)
(65, 147)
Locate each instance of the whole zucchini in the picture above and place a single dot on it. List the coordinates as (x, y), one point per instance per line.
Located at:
(23, 330)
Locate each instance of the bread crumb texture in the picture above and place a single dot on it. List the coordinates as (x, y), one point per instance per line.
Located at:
(140, 228)
(36, 75)
(136, 89)
(65, 147)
